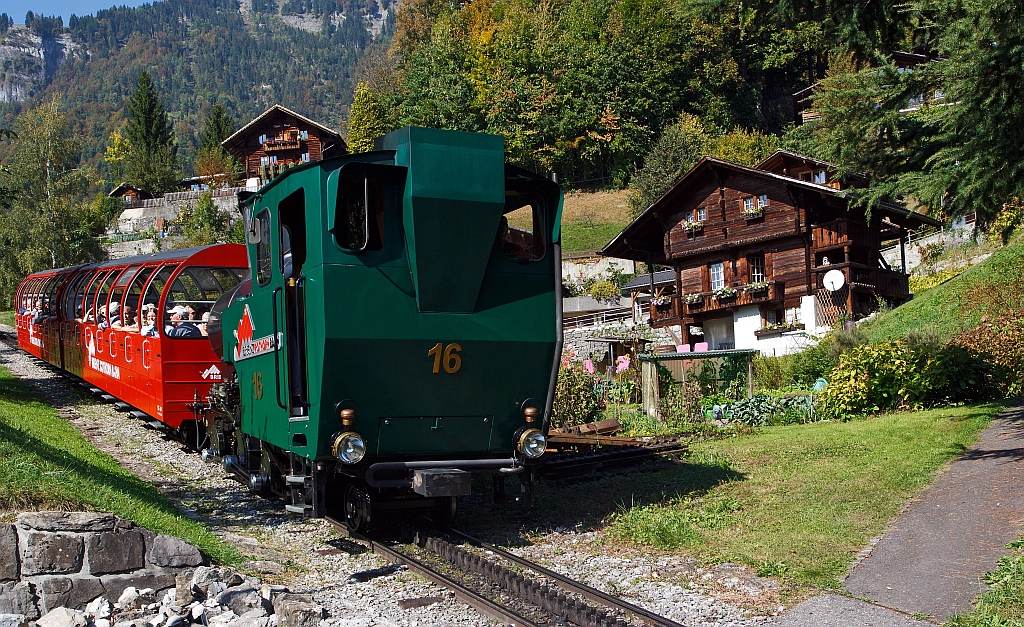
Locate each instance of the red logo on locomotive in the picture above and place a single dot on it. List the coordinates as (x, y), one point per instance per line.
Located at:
(245, 345)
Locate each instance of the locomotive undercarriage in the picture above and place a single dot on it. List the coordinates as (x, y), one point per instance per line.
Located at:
(317, 488)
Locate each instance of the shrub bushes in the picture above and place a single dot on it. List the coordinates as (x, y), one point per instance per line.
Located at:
(576, 402)
(906, 375)
(1001, 341)
(605, 290)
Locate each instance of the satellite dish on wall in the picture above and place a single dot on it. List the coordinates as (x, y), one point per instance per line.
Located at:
(833, 280)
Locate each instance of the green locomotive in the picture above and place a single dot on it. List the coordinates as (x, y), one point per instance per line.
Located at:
(400, 333)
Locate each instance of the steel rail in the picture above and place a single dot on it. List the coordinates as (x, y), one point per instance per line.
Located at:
(595, 595)
(482, 604)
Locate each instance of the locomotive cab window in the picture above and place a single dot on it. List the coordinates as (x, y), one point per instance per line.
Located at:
(521, 231)
(353, 229)
(263, 254)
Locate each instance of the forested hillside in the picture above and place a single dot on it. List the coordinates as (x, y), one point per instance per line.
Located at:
(201, 52)
(584, 87)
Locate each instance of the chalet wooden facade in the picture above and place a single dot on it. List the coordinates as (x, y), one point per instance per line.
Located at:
(750, 249)
(280, 138)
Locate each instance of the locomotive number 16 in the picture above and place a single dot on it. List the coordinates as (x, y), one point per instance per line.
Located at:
(451, 361)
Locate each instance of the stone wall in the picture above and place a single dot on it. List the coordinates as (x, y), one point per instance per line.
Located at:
(67, 559)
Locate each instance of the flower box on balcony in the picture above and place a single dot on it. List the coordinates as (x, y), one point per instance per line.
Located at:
(695, 226)
(753, 214)
(756, 290)
(778, 329)
(725, 293)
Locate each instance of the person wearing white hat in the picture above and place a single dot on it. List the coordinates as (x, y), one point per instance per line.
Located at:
(179, 326)
(112, 318)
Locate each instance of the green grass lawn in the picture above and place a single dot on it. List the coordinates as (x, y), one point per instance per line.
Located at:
(588, 235)
(796, 501)
(7, 317)
(48, 464)
(992, 287)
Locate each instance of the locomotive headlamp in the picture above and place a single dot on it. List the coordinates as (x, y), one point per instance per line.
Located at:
(532, 443)
(348, 447)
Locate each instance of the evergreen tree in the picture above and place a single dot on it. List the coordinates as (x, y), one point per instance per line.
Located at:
(217, 128)
(153, 154)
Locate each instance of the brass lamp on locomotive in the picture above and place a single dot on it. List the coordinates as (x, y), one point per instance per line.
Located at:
(400, 332)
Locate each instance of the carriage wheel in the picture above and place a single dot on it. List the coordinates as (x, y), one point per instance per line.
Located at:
(357, 509)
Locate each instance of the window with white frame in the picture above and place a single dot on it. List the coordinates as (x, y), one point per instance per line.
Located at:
(303, 135)
(748, 204)
(702, 214)
(264, 160)
(762, 201)
(263, 138)
(757, 270)
(819, 177)
(305, 157)
(273, 158)
(717, 272)
(793, 315)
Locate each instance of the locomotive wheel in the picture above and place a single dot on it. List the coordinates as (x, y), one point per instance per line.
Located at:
(444, 511)
(357, 509)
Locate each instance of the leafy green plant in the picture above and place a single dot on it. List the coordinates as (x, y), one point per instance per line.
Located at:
(898, 375)
(575, 402)
(605, 290)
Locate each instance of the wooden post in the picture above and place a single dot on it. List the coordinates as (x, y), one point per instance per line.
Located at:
(903, 251)
(649, 385)
(750, 376)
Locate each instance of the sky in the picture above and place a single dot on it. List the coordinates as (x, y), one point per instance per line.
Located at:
(18, 8)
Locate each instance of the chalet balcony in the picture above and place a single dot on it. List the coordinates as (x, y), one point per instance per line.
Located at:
(673, 311)
(838, 233)
(281, 144)
(859, 277)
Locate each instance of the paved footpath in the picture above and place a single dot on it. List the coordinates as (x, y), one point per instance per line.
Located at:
(933, 558)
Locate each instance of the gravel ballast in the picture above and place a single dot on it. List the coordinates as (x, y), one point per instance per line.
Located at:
(357, 587)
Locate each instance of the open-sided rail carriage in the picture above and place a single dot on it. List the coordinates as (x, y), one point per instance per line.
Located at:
(399, 331)
(91, 321)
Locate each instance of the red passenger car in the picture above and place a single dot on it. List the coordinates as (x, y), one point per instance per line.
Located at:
(133, 327)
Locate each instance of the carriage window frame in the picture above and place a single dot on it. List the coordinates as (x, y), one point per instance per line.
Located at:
(140, 279)
(69, 295)
(111, 278)
(264, 257)
(89, 295)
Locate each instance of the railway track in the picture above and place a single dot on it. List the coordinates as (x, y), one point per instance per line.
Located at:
(530, 595)
(596, 461)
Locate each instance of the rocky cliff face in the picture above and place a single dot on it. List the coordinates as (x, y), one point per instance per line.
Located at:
(28, 61)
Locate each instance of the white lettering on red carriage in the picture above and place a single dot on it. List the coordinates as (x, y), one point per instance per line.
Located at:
(108, 369)
(245, 345)
(33, 338)
(212, 373)
(101, 366)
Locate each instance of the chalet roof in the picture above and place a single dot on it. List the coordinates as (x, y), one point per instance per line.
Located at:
(124, 188)
(661, 277)
(783, 154)
(643, 238)
(237, 139)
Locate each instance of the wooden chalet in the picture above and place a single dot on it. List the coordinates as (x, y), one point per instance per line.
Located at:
(280, 138)
(129, 193)
(749, 250)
